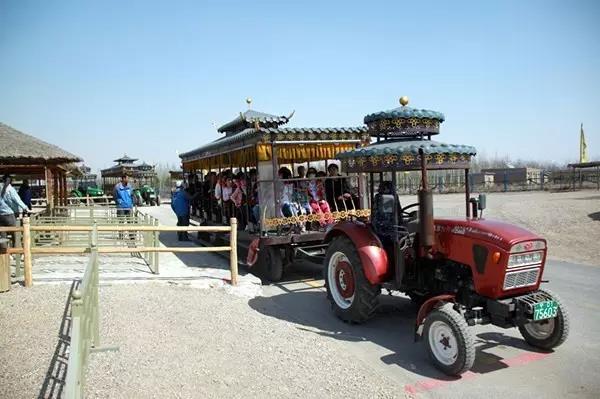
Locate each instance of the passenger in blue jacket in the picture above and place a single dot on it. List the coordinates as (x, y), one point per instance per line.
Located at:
(180, 203)
(123, 196)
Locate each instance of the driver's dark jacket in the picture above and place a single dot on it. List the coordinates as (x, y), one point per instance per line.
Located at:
(335, 188)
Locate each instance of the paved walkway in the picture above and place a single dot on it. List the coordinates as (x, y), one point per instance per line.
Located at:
(196, 269)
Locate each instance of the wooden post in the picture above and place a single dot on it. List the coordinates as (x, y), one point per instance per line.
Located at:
(55, 194)
(48, 179)
(18, 236)
(64, 185)
(156, 244)
(27, 252)
(233, 262)
(4, 266)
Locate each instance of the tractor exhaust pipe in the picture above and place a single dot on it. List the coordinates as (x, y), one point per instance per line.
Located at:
(426, 228)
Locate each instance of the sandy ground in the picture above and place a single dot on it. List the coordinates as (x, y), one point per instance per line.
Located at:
(570, 221)
(180, 341)
(177, 341)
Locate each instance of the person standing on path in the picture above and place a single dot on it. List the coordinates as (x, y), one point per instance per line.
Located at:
(123, 196)
(10, 205)
(180, 203)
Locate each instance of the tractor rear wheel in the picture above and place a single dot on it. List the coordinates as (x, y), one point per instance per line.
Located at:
(353, 298)
(549, 333)
(449, 342)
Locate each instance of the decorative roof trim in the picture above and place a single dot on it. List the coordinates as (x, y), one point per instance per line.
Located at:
(253, 136)
(404, 113)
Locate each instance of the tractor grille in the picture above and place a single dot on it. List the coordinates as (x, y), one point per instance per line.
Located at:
(521, 278)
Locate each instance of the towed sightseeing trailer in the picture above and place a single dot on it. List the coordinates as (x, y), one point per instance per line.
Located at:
(254, 148)
(461, 271)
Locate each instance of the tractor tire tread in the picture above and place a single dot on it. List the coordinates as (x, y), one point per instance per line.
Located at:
(367, 298)
(458, 323)
(554, 340)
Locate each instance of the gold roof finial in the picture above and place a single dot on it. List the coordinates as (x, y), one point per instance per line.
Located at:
(248, 101)
(404, 101)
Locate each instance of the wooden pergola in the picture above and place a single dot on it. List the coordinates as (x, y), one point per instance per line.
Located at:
(25, 156)
(578, 168)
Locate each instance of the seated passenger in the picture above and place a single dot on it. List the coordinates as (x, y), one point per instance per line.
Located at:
(288, 208)
(316, 194)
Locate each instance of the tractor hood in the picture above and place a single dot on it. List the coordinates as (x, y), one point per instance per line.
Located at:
(500, 233)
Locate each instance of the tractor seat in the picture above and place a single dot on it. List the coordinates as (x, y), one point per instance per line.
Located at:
(383, 215)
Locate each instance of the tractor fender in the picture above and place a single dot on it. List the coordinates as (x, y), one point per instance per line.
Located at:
(427, 307)
(370, 250)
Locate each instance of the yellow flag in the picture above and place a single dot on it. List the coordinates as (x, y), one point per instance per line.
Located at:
(582, 147)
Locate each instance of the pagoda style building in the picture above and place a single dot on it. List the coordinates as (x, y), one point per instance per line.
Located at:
(139, 174)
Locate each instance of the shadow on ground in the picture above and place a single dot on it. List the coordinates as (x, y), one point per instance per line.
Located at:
(392, 328)
(56, 376)
(199, 260)
(595, 216)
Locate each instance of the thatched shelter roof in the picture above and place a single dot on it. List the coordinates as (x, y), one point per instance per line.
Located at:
(20, 148)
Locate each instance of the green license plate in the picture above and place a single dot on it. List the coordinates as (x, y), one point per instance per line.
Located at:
(545, 310)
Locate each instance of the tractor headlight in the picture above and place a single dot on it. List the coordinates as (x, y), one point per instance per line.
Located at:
(525, 259)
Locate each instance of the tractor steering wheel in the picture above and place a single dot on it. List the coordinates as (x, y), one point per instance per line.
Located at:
(403, 210)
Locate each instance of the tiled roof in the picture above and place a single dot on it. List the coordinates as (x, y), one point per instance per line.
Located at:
(411, 147)
(248, 118)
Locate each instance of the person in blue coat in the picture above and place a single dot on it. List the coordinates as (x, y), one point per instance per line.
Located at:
(123, 196)
(180, 203)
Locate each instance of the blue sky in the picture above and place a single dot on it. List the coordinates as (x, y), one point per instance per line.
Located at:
(152, 78)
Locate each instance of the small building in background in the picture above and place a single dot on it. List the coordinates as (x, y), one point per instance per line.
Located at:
(139, 174)
(515, 175)
(485, 179)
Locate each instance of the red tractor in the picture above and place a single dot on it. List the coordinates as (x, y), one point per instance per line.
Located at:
(461, 271)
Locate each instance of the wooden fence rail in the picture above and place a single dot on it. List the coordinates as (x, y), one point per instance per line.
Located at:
(28, 249)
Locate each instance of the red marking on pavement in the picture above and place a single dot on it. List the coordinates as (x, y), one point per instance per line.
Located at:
(524, 359)
(429, 384)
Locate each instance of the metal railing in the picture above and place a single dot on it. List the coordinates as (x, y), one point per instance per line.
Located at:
(87, 200)
(85, 324)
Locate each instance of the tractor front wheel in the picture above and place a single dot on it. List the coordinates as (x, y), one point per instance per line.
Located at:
(353, 298)
(449, 342)
(549, 333)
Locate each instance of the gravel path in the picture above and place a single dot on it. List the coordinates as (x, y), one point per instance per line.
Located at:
(30, 320)
(184, 342)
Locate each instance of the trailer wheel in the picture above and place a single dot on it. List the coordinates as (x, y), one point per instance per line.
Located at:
(549, 333)
(449, 342)
(353, 298)
(271, 263)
